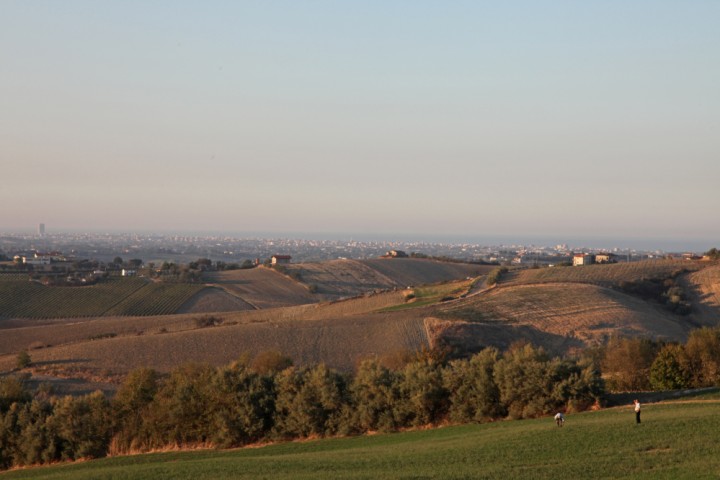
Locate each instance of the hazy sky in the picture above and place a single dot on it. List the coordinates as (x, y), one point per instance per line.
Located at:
(378, 117)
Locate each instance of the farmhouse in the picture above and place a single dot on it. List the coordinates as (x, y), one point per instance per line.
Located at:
(128, 273)
(396, 254)
(280, 259)
(605, 258)
(583, 259)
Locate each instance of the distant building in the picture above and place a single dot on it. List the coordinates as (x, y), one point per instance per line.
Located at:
(583, 259)
(280, 259)
(396, 254)
(605, 258)
(41, 229)
(126, 272)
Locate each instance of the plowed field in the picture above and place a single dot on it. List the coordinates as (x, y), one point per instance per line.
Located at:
(585, 312)
(262, 287)
(603, 274)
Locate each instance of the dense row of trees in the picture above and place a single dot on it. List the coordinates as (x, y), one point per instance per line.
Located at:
(632, 364)
(268, 399)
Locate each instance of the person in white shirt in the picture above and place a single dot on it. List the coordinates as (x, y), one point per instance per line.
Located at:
(559, 419)
(637, 411)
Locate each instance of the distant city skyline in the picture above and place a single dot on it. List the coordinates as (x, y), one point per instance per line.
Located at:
(514, 120)
(665, 244)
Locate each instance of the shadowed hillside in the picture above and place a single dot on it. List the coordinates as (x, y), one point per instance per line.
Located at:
(561, 316)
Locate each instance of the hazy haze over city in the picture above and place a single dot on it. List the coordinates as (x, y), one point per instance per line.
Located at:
(508, 120)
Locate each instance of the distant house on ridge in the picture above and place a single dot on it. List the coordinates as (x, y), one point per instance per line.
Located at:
(583, 259)
(605, 258)
(280, 259)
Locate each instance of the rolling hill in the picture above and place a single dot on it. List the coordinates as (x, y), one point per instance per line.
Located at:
(563, 309)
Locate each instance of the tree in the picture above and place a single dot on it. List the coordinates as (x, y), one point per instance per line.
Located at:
(423, 398)
(713, 254)
(243, 408)
(523, 381)
(626, 363)
(310, 402)
(130, 406)
(374, 393)
(703, 355)
(473, 394)
(82, 426)
(117, 261)
(270, 362)
(670, 370)
(135, 262)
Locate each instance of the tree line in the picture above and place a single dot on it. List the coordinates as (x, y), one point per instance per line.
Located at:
(269, 400)
(635, 364)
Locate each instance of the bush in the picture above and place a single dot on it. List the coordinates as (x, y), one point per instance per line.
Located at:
(23, 360)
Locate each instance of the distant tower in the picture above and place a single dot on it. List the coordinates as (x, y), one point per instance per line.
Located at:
(41, 229)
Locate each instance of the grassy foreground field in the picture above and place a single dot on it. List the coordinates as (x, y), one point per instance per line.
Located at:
(676, 440)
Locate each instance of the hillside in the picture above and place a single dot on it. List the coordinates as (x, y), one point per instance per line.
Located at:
(605, 274)
(20, 298)
(343, 278)
(563, 309)
(261, 287)
(704, 286)
(561, 316)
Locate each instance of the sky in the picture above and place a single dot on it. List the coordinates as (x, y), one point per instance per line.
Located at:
(472, 119)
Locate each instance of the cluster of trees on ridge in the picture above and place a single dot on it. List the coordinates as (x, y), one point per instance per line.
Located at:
(269, 399)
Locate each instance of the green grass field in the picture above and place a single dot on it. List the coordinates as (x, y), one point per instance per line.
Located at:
(431, 294)
(676, 440)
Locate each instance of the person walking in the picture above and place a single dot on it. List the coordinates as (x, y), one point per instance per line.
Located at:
(637, 411)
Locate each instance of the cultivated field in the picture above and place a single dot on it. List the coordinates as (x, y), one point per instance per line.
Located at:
(113, 296)
(338, 343)
(343, 278)
(604, 274)
(675, 441)
(262, 287)
(568, 315)
(562, 309)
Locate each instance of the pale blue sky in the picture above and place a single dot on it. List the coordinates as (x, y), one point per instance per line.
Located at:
(378, 117)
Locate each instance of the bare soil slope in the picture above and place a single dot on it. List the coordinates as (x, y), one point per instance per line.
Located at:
(262, 287)
(339, 343)
(214, 299)
(409, 271)
(705, 288)
(343, 278)
(603, 274)
(569, 314)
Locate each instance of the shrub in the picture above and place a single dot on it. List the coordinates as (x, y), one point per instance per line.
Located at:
(23, 360)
